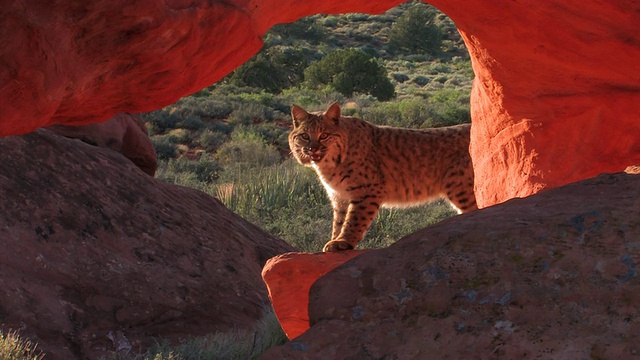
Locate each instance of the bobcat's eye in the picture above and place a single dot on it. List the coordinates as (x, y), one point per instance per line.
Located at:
(324, 136)
(304, 136)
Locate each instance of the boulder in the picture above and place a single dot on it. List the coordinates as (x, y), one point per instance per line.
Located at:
(290, 276)
(124, 133)
(99, 257)
(555, 277)
(555, 96)
(554, 100)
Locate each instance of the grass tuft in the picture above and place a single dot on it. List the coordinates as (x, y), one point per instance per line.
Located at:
(13, 347)
(235, 345)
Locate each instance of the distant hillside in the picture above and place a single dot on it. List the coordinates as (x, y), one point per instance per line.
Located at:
(413, 73)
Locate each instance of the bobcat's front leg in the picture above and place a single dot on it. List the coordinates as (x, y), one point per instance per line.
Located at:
(340, 208)
(360, 214)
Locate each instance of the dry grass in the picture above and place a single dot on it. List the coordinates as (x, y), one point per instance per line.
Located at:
(13, 347)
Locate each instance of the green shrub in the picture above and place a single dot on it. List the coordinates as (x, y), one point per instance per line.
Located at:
(408, 113)
(455, 115)
(310, 98)
(450, 107)
(216, 109)
(160, 121)
(414, 113)
(441, 79)
(330, 21)
(400, 77)
(421, 80)
(258, 72)
(171, 174)
(383, 114)
(179, 136)
(211, 140)
(192, 122)
(306, 29)
(351, 71)
(205, 169)
(247, 153)
(272, 70)
(220, 127)
(357, 17)
(438, 68)
(165, 148)
(415, 31)
(247, 113)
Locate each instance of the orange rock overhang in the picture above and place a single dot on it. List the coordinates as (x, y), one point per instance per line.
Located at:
(556, 96)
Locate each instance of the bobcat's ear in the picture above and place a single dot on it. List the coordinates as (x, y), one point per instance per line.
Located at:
(333, 112)
(298, 115)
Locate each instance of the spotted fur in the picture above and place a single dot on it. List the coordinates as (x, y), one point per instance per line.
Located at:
(364, 167)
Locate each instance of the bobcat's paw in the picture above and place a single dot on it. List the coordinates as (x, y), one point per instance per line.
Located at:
(337, 245)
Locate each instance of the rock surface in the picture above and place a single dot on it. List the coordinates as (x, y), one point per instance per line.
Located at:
(97, 256)
(555, 278)
(290, 276)
(124, 133)
(550, 103)
(555, 100)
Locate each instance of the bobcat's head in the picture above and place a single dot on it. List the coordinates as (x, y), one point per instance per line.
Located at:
(317, 137)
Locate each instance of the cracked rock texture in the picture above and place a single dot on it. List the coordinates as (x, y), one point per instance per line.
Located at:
(555, 278)
(99, 257)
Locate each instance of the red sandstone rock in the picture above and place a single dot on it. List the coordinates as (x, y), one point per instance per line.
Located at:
(556, 94)
(124, 133)
(97, 256)
(555, 100)
(289, 278)
(556, 278)
(82, 62)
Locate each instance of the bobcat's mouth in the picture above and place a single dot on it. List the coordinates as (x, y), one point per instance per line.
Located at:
(316, 157)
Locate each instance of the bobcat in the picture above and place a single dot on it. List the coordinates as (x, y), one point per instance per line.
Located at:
(364, 166)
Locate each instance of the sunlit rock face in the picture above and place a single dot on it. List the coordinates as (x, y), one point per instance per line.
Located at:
(556, 95)
(555, 98)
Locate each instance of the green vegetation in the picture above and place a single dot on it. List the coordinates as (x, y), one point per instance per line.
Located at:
(235, 345)
(230, 139)
(351, 71)
(13, 347)
(415, 32)
(407, 67)
(273, 70)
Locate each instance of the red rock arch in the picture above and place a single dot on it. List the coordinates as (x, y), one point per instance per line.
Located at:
(555, 100)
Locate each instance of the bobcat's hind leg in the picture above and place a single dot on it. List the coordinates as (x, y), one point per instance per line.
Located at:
(462, 198)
